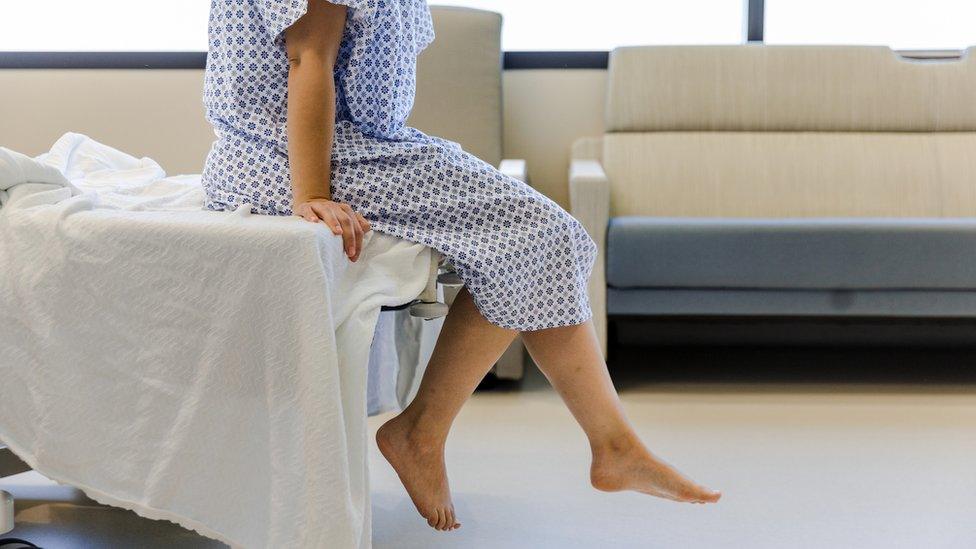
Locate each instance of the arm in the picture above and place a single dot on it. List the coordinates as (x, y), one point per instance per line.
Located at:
(313, 45)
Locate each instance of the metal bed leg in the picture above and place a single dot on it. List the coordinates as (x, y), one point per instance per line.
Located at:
(512, 363)
(9, 465)
(6, 512)
(427, 306)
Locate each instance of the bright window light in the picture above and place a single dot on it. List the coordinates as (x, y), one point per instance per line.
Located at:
(103, 25)
(900, 24)
(604, 25)
(181, 25)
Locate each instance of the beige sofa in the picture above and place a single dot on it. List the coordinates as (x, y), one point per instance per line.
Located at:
(782, 180)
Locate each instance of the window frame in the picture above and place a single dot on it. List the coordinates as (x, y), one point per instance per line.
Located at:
(753, 33)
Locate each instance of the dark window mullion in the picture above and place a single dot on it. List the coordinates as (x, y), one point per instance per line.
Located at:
(755, 20)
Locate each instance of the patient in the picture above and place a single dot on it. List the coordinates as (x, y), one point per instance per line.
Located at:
(309, 100)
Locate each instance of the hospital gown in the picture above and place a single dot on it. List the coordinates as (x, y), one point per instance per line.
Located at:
(525, 261)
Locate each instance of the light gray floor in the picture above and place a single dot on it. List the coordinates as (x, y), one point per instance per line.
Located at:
(830, 449)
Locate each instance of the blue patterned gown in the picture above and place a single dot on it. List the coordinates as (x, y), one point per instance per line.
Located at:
(524, 260)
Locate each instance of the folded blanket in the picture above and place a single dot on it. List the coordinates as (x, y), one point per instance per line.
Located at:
(201, 367)
(42, 182)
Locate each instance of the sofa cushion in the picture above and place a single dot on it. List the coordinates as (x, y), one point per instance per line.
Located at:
(791, 174)
(813, 253)
(787, 88)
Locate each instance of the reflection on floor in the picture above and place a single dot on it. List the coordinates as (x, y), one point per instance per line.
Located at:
(813, 448)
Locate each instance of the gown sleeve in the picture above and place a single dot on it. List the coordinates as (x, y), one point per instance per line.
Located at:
(278, 15)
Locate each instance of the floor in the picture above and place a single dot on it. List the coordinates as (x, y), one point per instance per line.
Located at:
(812, 448)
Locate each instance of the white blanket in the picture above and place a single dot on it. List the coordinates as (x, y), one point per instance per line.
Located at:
(206, 368)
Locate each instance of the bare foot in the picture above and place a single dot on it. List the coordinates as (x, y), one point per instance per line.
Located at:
(419, 462)
(628, 465)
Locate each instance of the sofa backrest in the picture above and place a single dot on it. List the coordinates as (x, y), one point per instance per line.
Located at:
(790, 131)
(459, 81)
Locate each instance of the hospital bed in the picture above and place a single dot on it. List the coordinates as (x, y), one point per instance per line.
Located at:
(138, 328)
(442, 281)
(466, 54)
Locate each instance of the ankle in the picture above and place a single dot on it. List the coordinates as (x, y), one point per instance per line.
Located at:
(623, 442)
(419, 429)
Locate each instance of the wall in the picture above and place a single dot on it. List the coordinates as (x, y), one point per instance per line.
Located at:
(545, 111)
(145, 113)
(159, 114)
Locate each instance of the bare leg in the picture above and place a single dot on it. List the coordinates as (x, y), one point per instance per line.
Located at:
(571, 360)
(413, 442)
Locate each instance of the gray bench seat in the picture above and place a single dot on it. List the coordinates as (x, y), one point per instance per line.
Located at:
(823, 254)
(789, 267)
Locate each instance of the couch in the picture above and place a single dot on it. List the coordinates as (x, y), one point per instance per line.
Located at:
(789, 181)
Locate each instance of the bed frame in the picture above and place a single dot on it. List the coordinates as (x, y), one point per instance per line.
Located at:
(10, 465)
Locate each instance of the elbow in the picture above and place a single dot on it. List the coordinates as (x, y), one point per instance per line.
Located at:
(310, 60)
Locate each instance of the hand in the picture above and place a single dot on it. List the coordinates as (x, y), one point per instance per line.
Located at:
(340, 218)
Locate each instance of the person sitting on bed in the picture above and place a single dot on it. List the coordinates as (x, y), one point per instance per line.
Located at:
(309, 100)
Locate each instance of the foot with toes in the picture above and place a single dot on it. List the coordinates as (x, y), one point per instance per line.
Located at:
(628, 465)
(419, 462)
(623, 464)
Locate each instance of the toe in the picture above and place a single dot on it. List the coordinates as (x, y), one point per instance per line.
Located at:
(432, 519)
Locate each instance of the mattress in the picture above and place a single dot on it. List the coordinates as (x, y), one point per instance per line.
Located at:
(207, 368)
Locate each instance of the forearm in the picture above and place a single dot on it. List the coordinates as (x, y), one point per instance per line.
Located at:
(311, 125)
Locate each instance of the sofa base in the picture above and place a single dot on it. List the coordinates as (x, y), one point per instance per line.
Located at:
(736, 331)
(816, 317)
(746, 302)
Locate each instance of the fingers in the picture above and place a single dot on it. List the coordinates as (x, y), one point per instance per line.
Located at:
(357, 226)
(342, 220)
(307, 214)
(364, 223)
(326, 215)
(349, 229)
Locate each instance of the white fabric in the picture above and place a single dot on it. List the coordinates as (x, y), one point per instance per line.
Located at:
(42, 182)
(402, 346)
(202, 367)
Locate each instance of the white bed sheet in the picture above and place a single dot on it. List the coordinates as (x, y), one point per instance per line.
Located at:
(201, 367)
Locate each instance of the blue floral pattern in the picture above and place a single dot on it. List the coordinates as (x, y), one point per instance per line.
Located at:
(525, 260)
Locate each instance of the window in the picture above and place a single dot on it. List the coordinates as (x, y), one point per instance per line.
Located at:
(103, 25)
(578, 25)
(900, 24)
(181, 25)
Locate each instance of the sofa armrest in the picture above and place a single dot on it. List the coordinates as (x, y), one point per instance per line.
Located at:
(516, 168)
(589, 198)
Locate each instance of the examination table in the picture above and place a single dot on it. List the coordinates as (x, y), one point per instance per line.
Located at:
(206, 368)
